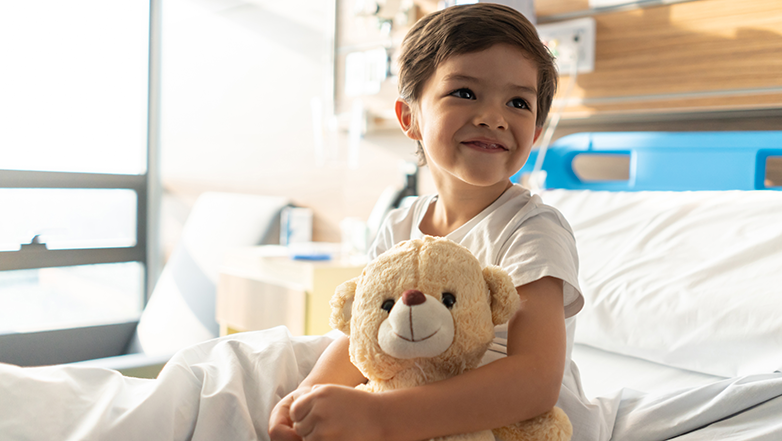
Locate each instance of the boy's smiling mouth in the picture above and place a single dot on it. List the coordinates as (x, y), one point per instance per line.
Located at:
(485, 145)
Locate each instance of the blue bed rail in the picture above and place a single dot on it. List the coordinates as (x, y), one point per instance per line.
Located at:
(672, 161)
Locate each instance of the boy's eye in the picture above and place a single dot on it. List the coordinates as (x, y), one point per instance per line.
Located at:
(463, 93)
(518, 103)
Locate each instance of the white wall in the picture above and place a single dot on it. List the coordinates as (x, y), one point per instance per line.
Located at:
(237, 81)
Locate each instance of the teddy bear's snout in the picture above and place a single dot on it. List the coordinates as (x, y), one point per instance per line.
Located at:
(413, 297)
(418, 325)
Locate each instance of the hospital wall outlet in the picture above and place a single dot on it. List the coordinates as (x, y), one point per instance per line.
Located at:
(572, 42)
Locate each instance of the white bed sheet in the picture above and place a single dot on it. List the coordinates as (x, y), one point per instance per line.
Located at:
(686, 279)
(604, 374)
(682, 328)
(659, 402)
(742, 408)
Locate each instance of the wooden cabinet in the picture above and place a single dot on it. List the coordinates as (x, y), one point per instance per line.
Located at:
(261, 287)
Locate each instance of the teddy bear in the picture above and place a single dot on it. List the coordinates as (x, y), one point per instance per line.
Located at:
(424, 311)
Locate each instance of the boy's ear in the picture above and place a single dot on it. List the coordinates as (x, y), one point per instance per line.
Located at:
(538, 131)
(404, 114)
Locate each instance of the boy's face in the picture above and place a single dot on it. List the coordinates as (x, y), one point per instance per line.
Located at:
(476, 116)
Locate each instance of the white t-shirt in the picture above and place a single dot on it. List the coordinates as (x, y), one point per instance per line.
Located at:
(527, 238)
(530, 240)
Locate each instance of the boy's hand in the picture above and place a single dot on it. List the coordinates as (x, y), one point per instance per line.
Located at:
(339, 413)
(280, 423)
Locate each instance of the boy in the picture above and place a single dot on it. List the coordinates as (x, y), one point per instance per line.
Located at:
(476, 85)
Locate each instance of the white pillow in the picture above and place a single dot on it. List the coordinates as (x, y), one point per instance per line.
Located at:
(686, 279)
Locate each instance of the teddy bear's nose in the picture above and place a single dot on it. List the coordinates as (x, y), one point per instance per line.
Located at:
(413, 297)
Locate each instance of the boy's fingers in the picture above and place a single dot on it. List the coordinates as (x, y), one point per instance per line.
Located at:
(300, 407)
(281, 410)
(298, 393)
(303, 428)
(282, 429)
(283, 433)
(280, 424)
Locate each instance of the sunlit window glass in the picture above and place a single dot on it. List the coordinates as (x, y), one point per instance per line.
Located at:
(73, 85)
(51, 298)
(67, 218)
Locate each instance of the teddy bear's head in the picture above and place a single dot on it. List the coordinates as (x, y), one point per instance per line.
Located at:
(424, 306)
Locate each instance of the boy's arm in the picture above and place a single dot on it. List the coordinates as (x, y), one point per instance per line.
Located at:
(520, 386)
(334, 367)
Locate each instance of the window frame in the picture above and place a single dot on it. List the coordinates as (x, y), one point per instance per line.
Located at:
(40, 257)
(146, 251)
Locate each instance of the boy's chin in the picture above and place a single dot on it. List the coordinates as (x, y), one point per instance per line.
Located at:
(499, 182)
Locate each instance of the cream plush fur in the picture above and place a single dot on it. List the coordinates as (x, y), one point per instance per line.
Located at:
(425, 311)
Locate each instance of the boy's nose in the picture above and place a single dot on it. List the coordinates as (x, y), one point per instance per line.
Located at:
(491, 119)
(500, 125)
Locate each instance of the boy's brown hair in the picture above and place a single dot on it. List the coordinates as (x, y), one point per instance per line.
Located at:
(470, 28)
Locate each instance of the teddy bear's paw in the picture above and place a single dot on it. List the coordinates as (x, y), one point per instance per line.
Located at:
(553, 425)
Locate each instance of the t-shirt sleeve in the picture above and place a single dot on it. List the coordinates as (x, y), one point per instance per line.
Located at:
(544, 246)
(395, 228)
(381, 243)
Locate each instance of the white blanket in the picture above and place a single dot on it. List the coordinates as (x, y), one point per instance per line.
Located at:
(223, 389)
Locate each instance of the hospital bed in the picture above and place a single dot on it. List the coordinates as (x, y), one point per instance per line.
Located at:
(680, 336)
(681, 268)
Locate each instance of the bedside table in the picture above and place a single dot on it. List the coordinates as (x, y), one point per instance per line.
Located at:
(262, 287)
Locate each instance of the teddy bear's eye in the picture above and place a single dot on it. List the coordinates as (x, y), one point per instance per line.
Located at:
(387, 305)
(448, 300)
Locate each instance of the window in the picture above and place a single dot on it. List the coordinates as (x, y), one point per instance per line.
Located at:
(75, 169)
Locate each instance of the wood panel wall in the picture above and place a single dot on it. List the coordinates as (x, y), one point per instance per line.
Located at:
(705, 55)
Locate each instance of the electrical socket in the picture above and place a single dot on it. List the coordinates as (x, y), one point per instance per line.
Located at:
(571, 40)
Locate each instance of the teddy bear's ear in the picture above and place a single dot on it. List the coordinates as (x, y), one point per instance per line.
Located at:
(342, 305)
(504, 298)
